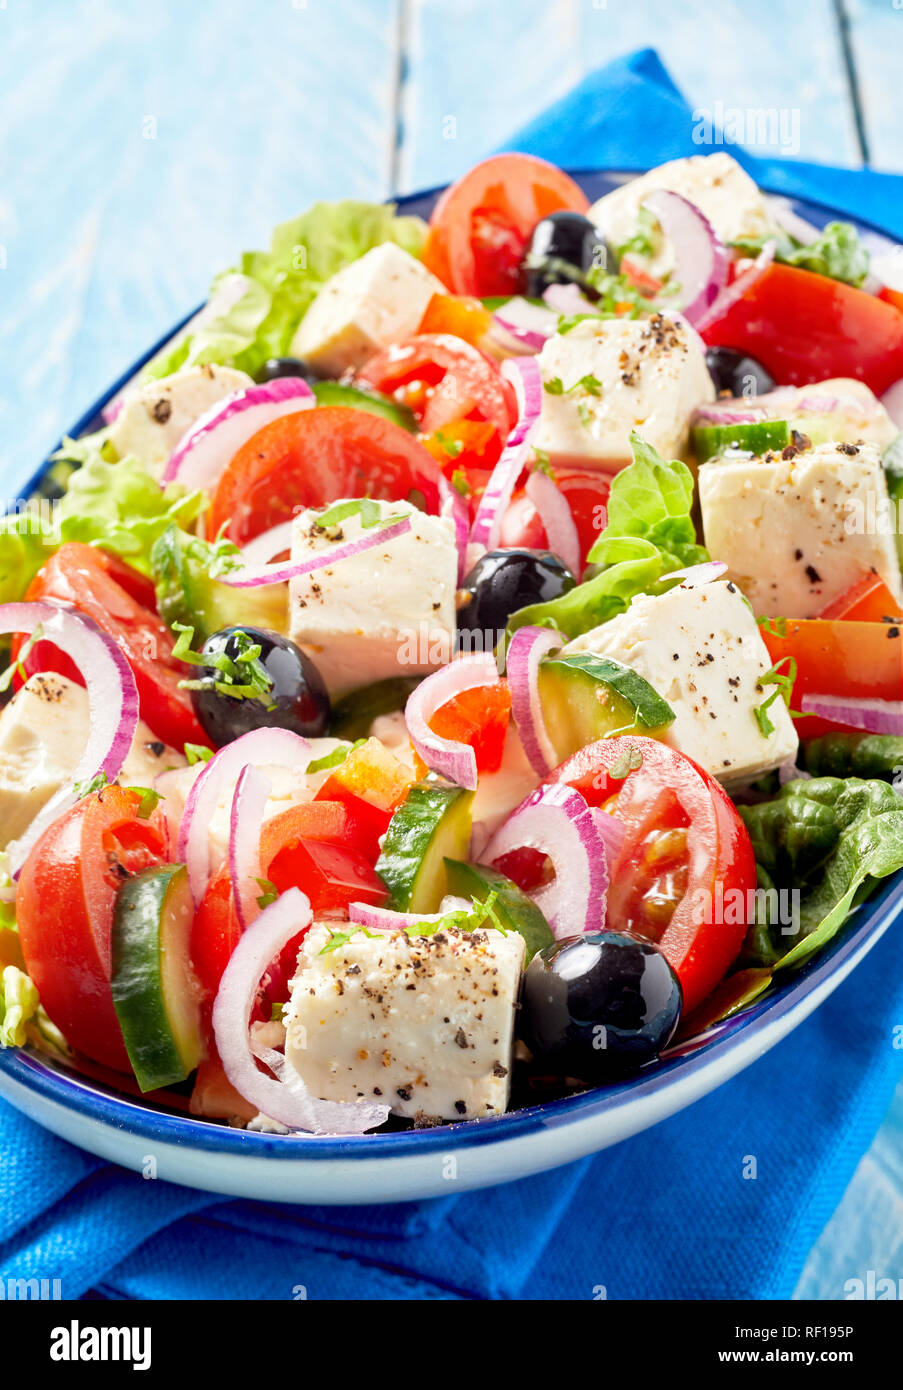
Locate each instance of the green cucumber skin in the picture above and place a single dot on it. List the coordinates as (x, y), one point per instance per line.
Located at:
(517, 912)
(651, 709)
(353, 714)
(895, 493)
(410, 841)
(569, 684)
(756, 437)
(336, 393)
(136, 982)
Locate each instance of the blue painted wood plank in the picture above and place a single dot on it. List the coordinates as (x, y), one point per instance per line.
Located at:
(145, 146)
(876, 36)
(476, 72)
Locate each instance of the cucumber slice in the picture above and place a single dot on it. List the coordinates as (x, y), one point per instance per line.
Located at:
(355, 712)
(154, 993)
(893, 472)
(514, 909)
(585, 697)
(432, 823)
(336, 393)
(753, 438)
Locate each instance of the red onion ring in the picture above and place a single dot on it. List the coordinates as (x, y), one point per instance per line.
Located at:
(456, 761)
(285, 1099)
(524, 375)
(252, 576)
(112, 703)
(568, 299)
(557, 520)
(874, 715)
(269, 543)
(556, 820)
(527, 648)
(612, 830)
(527, 323)
(701, 259)
(279, 747)
(892, 400)
(384, 919)
(741, 286)
(695, 575)
(216, 436)
(249, 802)
(453, 505)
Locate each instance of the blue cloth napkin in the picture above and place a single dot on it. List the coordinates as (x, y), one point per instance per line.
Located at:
(672, 1213)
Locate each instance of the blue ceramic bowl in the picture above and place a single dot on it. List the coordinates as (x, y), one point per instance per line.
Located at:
(404, 1166)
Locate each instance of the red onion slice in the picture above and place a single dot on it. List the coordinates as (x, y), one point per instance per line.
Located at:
(456, 761)
(693, 576)
(701, 259)
(285, 1099)
(892, 400)
(741, 286)
(384, 919)
(612, 830)
(557, 821)
(524, 375)
(268, 544)
(527, 648)
(873, 715)
(269, 747)
(249, 802)
(557, 520)
(454, 506)
(112, 703)
(252, 576)
(216, 436)
(529, 324)
(568, 299)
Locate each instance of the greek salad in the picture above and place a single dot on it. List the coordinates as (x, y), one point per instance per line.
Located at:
(468, 658)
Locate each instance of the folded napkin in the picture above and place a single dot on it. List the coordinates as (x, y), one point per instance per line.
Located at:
(680, 1211)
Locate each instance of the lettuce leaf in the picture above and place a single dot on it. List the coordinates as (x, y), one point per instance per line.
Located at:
(831, 838)
(257, 306)
(19, 1003)
(838, 253)
(117, 506)
(649, 533)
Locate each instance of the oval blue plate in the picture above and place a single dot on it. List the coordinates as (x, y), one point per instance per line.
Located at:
(409, 1165)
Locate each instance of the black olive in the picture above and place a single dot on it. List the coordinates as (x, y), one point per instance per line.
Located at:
(287, 366)
(293, 695)
(599, 1005)
(500, 583)
(738, 373)
(563, 247)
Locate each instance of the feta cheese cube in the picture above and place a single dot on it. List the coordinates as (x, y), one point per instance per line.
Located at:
(607, 377)
(43, 733)
(715, 183)
(699, 646)
(153, 420)
(797, 531)
(387, 611)
(424, 1023)
(370, 304)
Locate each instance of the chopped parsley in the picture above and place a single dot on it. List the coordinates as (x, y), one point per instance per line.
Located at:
(269, 892)
(197, 753)
(629, 761)
(837, 253)
(335, 758)
(642, 242)
(241, 677)
(364, 507)
(19, 663)
(784, 681)
(459, 482)
(149, 802)
(94, 784)
(452, 447)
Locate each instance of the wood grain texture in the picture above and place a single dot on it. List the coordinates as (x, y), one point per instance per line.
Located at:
(477, 71)
(146, 144)
(876, 39)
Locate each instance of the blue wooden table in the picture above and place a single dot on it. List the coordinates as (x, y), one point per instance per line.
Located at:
(143, 143)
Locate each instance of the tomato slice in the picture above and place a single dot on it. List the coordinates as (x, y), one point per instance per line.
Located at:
(869, 600)
(862, 660)
(480, 718)
(121, 602)
(461, 315)
(458, 382)
(805, 328)
(313, 458)
(64, 908)
(585, 492)
(481, 225)
(686, 868)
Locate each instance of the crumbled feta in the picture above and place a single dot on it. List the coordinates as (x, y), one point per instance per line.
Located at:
(153, 420)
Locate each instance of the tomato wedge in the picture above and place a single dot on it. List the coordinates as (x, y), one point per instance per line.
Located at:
(862, 660)
(585, 492)
(458, 382)
(64, 908)
(804, 328)
(686, 869)
(461, 315)
(869, 600)
(313, 458)
(480, 718)
(481, 225)
(122, 602)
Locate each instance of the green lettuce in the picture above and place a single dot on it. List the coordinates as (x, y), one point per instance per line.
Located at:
(831, 839)
(117, 506)
(838, 253)
(19, 1004)
(268, 293)
(649, 533)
